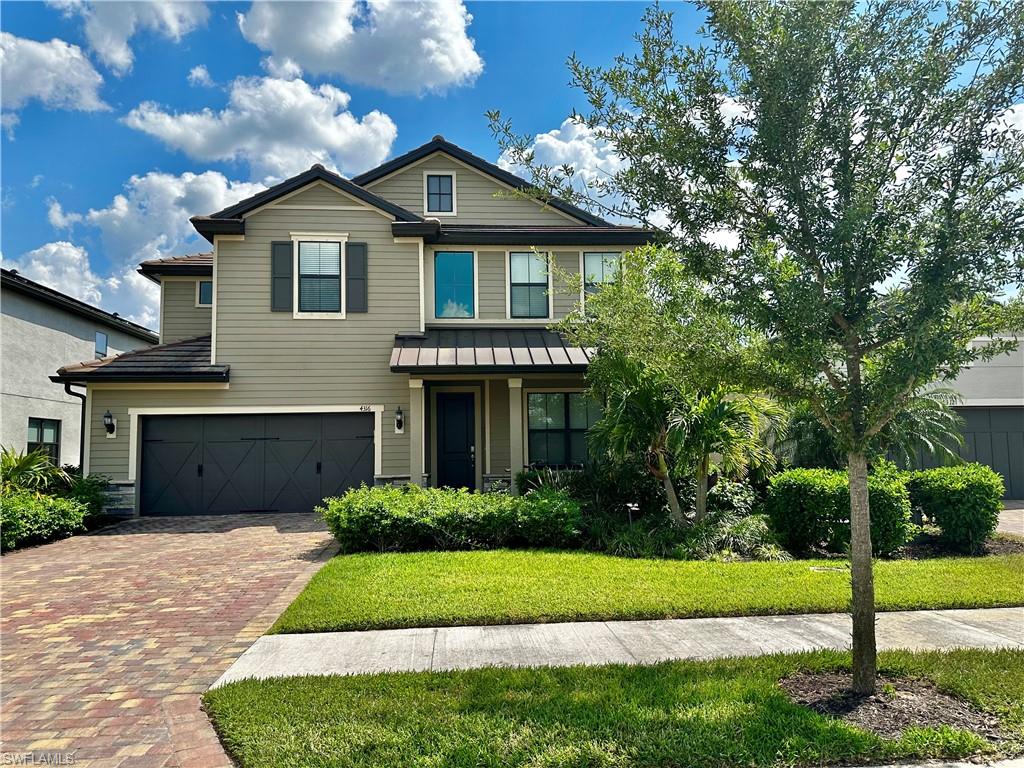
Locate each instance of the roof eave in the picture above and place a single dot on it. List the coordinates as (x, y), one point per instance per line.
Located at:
(209, 227)
(147, 378)
(541, 235)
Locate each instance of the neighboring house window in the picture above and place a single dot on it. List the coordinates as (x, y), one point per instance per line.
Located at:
(204, 293)
(557, 424)
(44, 435)
(454, 284)
(599, 268)
(440, 193)
(528, 284)
(101, 344)
(319, 277)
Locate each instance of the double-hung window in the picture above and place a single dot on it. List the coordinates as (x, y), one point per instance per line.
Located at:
(557, 424)
(319, 276)
(101, 345)
(599, 268)
(454, 284)
(44, 435)
(440, 190)
(528, 285)
(204, 293)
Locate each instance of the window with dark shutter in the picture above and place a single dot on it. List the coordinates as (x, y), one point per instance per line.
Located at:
(356, 274)
(281, 277)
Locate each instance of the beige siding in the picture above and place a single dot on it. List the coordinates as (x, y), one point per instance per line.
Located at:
(180, 318)
(500, 447)
(277, 360)
(476, 201)
(566, 281)
(491, 265)
(317, 195)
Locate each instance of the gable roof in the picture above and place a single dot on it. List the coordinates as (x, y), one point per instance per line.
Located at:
(230, 222)
(438, 144)
(10, 279)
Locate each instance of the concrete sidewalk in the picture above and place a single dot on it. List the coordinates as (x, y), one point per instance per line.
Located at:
(612, 642)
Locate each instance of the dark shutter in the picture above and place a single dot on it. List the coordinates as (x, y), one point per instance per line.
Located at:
(356, 273)
(281, 277)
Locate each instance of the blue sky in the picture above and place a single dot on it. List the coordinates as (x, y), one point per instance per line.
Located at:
(78, 130)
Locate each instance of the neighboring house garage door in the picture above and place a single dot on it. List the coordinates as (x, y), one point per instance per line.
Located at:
(217, 465)
(995, 436)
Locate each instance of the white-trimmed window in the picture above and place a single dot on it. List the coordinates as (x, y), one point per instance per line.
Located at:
(599, 267)
(204, 293)
(318, 286)
(528, 286)
(454, 284)
(557, 424)
(101, 345)
(439, 193)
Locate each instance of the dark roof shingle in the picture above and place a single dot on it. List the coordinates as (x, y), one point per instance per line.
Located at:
(199, 264)
(187, 360)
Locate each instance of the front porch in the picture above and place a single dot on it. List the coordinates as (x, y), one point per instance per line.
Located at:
(484, 403)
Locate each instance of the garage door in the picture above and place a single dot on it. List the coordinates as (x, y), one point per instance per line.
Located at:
(214, 465)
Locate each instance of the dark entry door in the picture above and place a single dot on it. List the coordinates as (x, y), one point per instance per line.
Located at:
(456, 430)
(210, 465)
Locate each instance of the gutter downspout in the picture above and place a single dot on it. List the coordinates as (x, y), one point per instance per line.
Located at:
(81, 422)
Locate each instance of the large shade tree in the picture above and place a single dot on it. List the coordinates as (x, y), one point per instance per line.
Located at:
(848, 177)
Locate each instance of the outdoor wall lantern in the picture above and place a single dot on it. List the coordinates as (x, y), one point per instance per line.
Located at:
(109, 423)
(399, 421)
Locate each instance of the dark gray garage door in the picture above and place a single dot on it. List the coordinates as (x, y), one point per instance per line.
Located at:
(212, 465)
(994, 436)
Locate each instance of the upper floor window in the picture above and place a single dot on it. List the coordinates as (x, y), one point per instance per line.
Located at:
(454, 284)
(599, 268)
(319, 277)
(101, 344)
(204, 293)
(44, 435)
(528, 285)
(440, 192)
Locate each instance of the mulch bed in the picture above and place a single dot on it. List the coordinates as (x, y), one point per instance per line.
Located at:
(898, 704)
(928, 545)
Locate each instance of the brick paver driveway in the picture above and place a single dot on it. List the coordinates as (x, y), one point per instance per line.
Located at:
(107, 641)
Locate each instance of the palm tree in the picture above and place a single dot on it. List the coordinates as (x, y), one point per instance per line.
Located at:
(33, 471)
(726, 432)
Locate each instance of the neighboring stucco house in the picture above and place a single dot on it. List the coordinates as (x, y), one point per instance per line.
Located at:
(387, 328)
(40, 330)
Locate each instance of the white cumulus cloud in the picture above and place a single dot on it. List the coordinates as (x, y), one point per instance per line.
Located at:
(110, 26)
(412, 46)
(200, 75)
(55, 73)
(65, 267)
(279, 127)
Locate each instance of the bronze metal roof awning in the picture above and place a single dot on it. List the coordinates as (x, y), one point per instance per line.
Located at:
(487, 350)
(180, 361)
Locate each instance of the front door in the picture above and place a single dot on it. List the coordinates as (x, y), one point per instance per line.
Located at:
(456, 431)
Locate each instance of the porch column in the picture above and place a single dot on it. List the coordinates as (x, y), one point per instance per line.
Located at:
(515, 428)
(415, 427)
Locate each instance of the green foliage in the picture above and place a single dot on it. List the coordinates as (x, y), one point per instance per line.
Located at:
(963, 501)
(737, 498)
(411, 518)
(27, 517)
(810, 509)
(30, 471)
(728, 536)
(90, 490)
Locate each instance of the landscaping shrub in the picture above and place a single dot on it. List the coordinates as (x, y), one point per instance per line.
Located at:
(727, 535)
(963, 501)
(91, 490)
(412, 518)
(734, 497)
(27, 517)
(810, 509)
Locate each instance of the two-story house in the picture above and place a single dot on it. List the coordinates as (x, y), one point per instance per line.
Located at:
(41, 329)
(387, 328)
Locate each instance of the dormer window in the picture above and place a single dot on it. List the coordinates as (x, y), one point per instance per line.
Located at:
(439, 191)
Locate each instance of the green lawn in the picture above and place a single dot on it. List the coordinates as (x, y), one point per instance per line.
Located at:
(721, 713)
(373, 591)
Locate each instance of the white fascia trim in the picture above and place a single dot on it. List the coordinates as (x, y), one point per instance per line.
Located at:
(215, 410)
(548, 257)
(455, 199)
(990, 402)
(359, 205)
(320, 237)
(213, 312)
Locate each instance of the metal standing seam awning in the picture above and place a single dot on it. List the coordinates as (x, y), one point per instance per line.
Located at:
(487, 350)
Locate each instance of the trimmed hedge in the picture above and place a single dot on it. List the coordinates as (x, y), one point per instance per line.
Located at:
(963, 501)
(27, 517)
(810, 509)
(410, 518)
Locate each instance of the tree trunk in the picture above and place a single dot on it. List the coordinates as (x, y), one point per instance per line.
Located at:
(702, 489)
(675, 512)
(864, 653)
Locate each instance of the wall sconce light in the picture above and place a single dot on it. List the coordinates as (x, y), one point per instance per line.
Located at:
(399, 421)
(109, 424)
